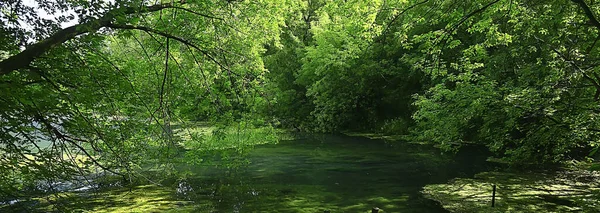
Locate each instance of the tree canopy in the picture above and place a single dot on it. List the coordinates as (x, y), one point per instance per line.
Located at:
(519, 77)
(516, 76)
(101, 93)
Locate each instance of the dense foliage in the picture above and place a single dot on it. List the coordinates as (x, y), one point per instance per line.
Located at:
(519, 77)
(516, 76)
(104, 94)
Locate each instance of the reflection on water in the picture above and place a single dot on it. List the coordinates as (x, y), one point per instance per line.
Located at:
(184, 189)
(315, 174)
(335, 173)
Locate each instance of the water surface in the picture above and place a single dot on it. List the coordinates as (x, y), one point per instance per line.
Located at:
(326, 172)
(315, 174)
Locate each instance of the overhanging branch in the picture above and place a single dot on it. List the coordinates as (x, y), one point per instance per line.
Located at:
(588, 12)
(167, 35)
(23, 59)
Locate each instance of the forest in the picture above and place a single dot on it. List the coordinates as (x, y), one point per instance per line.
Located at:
(212, 105)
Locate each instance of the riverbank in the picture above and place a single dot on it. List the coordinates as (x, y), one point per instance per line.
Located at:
(314, 173)
(568, 190)
(322, 172)
(573, 189)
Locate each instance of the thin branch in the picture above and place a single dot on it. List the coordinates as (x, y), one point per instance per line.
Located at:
(589, 50)
(24, 58)
(162, 87)
(588, 12)
(132, 88)
(443, 39)
(61, 136)
(468, 16)
(196, 13)
(577, 68)
(206, 83)
(167, 35)
(592, 19)
(146, 53)
(400, 14)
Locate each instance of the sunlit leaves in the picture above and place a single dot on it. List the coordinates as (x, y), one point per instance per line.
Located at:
(112, 101)
(513, 56)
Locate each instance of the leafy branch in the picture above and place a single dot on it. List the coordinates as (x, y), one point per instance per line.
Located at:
(25, 57)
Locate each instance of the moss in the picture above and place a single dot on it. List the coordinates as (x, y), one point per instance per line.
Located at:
(564, 191)
(377, 136)
(334, 173)
(147, 198)
(386, 137)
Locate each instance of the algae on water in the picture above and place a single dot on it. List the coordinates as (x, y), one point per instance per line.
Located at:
(563, 191)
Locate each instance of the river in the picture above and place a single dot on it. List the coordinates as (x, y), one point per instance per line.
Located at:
(318, 173)
(329, 173)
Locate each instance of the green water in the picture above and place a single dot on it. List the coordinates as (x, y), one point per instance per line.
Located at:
(335, 173)
(315, 174)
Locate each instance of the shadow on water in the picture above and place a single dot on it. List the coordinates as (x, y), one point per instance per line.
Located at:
(313, 174)
(335, 173)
